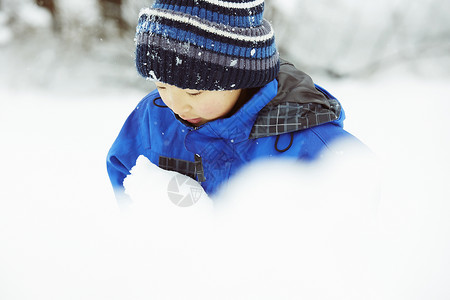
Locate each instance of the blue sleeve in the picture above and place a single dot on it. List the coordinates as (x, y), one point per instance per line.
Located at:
(132, 141)
(331, 133)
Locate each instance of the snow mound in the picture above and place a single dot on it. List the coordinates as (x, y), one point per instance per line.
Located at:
(326, 230)
(279, 229)
(148, 185)
(289, 230)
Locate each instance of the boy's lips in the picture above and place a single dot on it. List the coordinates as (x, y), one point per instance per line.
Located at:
(193, 121)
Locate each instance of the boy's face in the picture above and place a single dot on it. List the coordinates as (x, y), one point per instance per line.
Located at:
(196, 106)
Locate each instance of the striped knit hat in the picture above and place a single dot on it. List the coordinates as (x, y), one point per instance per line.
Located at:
(206, 44)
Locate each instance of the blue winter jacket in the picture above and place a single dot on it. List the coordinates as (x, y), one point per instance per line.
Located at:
(289, 117)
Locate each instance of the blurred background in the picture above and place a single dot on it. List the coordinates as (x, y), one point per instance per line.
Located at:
(88, 44)
(68, 82)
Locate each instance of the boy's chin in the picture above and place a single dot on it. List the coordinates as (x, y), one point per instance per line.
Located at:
(197, 121)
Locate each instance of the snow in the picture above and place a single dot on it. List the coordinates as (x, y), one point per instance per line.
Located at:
(347, 227)
(351, 227)
(35, 16)
(332, 36)
(5, 36)
(5, 32)
(136, 186)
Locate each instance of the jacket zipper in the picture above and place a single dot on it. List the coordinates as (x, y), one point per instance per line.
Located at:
(198, 164)
(199, 169)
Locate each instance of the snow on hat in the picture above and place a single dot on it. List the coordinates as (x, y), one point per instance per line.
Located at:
(206, 44)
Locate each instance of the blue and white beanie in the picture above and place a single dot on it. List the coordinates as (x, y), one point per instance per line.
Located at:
(206, 44)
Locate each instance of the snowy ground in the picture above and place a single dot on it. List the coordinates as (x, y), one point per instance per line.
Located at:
(63, 237)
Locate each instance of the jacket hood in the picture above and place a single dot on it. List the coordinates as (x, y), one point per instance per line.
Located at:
(299, 104)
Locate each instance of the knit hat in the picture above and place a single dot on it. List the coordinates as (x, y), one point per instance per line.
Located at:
(206, 44)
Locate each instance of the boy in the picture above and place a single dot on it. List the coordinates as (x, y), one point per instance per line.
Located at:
(223, 96)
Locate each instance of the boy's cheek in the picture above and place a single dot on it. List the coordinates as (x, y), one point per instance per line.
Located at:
(165, 100)
(210, 113)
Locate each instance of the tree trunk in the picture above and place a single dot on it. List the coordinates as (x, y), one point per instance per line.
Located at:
(112, 10)
(51, 7)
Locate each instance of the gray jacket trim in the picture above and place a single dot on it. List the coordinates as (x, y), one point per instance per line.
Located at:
(298, 105)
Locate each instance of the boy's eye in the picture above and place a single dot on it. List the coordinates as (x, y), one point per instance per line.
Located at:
(194, 94)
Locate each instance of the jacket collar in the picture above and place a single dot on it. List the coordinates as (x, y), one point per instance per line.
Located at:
(298, 105)
(238, 127)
